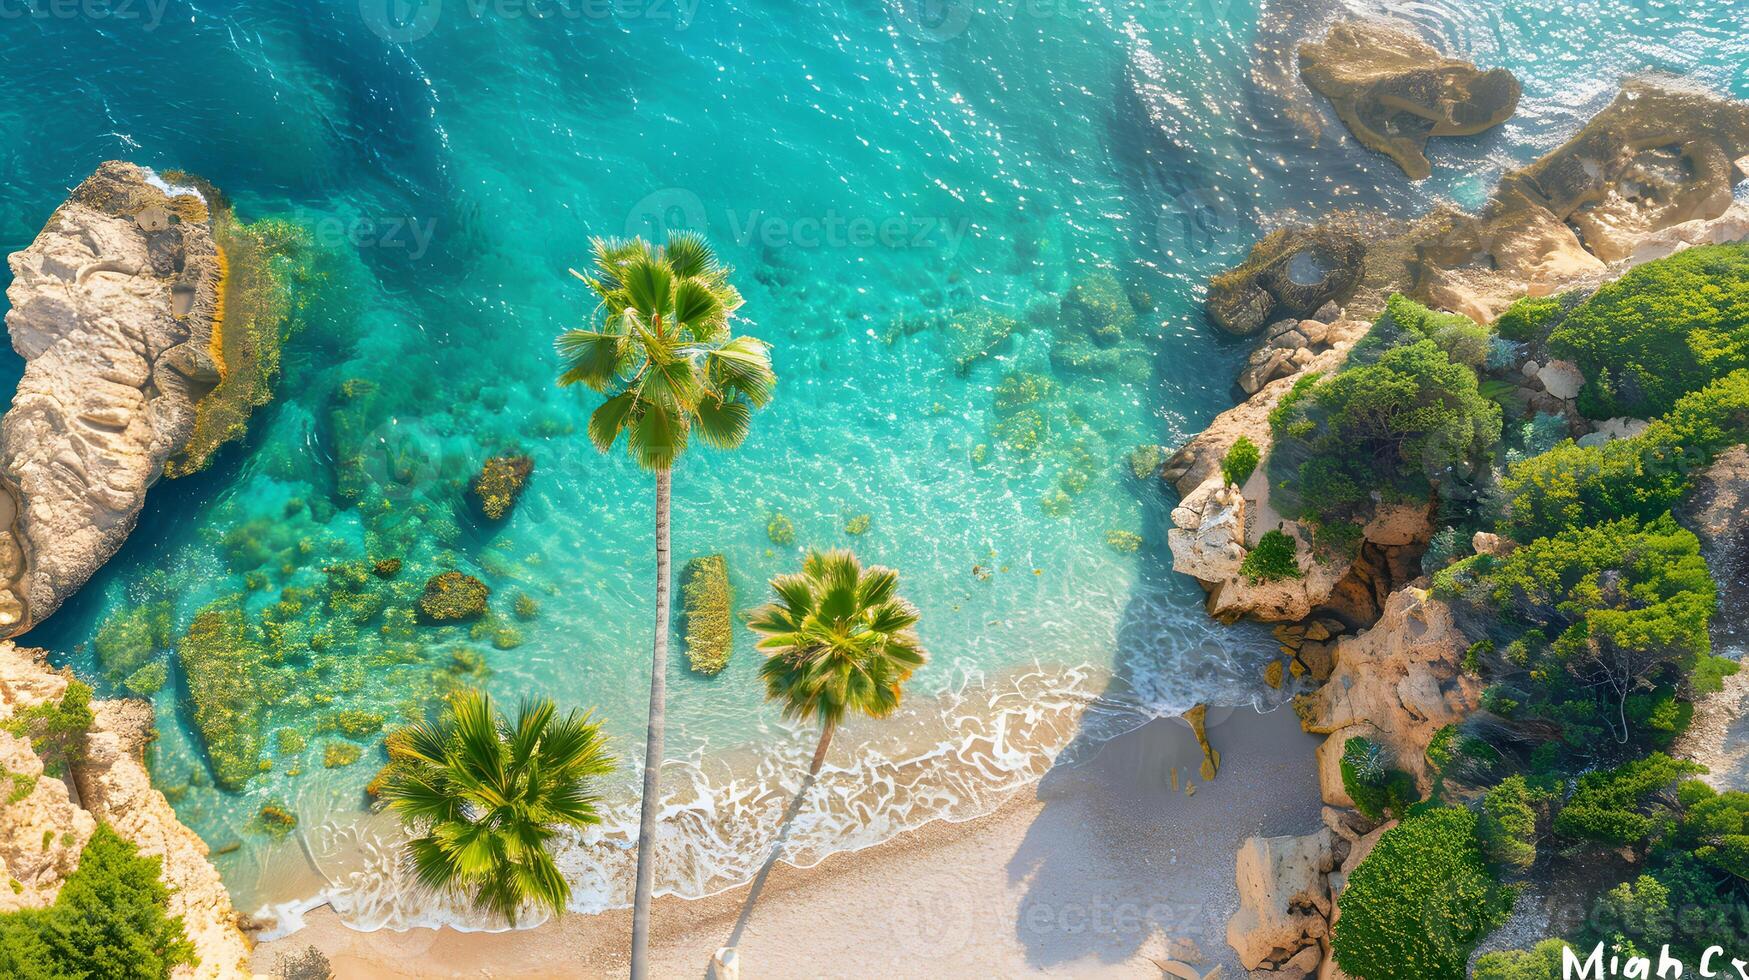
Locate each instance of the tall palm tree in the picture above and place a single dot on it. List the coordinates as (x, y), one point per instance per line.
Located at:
(487, 794)
(662, 350)
(838, 639)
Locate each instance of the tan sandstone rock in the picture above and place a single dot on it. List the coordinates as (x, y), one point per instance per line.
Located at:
(1393, 90)
(114, 324)
(1397, 684)
(1284, 903)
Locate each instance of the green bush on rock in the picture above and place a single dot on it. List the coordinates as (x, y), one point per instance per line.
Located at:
(1420, 901)
(1240, 462)
(1377, 788)
(1664, 329)
(56, 729)
(110, 919)
(708, 600)
(1276, 558)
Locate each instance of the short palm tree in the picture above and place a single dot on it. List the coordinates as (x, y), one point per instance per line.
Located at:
(662, 350)
(838, 639)
(487, 795)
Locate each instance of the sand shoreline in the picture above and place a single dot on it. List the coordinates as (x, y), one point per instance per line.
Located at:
(1093, 870)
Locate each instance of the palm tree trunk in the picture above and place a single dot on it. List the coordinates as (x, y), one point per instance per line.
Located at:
(789, 817)
(820, 752)
(652, 742)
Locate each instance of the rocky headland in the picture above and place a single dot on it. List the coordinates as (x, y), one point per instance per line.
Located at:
(1376, 655)
(49, 818)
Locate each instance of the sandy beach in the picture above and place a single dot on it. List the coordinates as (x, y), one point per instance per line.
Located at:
(1099, 869)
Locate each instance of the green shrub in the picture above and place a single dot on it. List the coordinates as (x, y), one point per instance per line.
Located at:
(109, 920)
(1369, 779)
(1541, 962)
(1275, 559)
(1594, 616)
(1632, 805)
(1240, 461)
(56, 729)
(1662, 330)
(1530, 319)
(710, 630)
(1573, 486)
(1508, 824)
(1402, 427)
(1420, 901)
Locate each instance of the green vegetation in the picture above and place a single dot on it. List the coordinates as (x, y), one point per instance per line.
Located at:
(131, 635)
(486, 795)
(857, 525)
(1276, 558)
(1595, 629)
(708, 601)
(1530, 319)
(1509, 822)
(110, 919)
(1402, 421)
(1662, 330)
(336, 755)
(150, 679)
(837, 639)
(1541, 962)
(781, 530)
(663, 353)
(56, 729)
(1420, 901)
(1240, 462)
(1145, 461)
(1377, 788)
(1572, 486)
(1123, 542)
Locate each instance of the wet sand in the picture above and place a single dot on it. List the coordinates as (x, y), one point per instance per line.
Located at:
(1102, 868)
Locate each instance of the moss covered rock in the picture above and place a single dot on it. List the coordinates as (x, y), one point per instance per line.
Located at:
(225, 666)
(453, 597)
(499, 483)
(708, 600)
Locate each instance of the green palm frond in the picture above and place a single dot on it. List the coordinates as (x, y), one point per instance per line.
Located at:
(837, 639)
(662, 350)
(485, 796)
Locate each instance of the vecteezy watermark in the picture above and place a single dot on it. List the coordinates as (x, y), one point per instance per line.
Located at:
(407, 233)
(1196, 221)
(147, 13)
(406, 21)
(1599, 966)
(673, 209)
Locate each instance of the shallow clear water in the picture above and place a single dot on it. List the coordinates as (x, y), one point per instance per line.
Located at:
(887, 177)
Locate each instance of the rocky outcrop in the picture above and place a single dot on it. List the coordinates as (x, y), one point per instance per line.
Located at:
(1288, 275)
(1396, 684)
(1283, 921)
(112, 309)
(1289, 346)
(1648, 176)
(1394, 91)
(111, 786)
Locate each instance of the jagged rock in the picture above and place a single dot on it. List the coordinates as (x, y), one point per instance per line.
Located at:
(1284, 902)
(1489, 543)
(1208, 536)
(1397, 683)
(1395, 525)
(1610, 430)
(108, 317)
(1290, 273)
(1561, 379)
(113, 787)
(1393, 91)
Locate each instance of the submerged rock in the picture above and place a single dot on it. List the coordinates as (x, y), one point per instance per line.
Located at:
(453, 597)
(708, 601)
(500, 481)
(1394, 91)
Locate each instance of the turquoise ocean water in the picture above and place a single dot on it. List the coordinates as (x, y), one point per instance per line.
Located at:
(894, 182)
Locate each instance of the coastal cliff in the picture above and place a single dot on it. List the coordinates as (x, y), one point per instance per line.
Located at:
(112, 309)
(1393, 669)
(49, 820)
